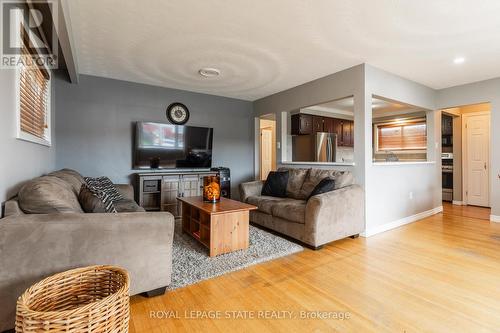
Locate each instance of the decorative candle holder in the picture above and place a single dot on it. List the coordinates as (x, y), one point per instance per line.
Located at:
(211, 188)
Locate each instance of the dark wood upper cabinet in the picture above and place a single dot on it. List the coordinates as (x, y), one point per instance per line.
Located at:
(317, 124)
(307, 124)
(346, 133)
(328, 125)
(302, 124)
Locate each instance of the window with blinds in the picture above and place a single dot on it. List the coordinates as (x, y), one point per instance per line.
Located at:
(408, 135)
(34, 99)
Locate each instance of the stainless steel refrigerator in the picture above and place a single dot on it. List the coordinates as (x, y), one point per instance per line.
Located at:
(319, 147)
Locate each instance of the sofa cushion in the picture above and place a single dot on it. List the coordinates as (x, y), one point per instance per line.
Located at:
(276, 184)
(296, 178)
(71, 177)
(127, 206)
(48, 194)
(263, 202)
(325, 185)
(342, 179)
(92, 204)
(290, 209)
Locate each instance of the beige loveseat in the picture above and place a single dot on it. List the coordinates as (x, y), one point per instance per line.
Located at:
(34, 246)
(321, 219)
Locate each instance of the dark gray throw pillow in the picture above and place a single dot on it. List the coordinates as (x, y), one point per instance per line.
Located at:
(325, 185)
(275, 185)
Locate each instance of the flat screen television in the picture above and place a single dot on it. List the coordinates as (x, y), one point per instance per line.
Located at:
(166, 146)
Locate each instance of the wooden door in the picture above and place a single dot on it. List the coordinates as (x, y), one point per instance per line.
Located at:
(477, 159)
(266, 152)
(170, 190)
(317, 124)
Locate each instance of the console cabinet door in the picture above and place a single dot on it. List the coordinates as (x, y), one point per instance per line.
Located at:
(170, 190)
(190, 185)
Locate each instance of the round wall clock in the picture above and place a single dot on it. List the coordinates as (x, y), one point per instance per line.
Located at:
(177, 113)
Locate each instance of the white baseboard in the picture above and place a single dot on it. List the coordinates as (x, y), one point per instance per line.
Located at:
(458, 203)
(398, 223)
(495, 218)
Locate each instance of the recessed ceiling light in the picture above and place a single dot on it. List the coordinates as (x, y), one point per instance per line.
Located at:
(459, 60)
(209, 72)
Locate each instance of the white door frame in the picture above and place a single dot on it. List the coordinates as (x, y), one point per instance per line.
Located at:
(465, 184)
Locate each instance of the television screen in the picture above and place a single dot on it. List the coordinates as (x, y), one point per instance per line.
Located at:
(165, 146)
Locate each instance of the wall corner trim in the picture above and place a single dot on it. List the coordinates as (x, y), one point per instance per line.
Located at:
(403, 221)
(495, 218)
(458, 203)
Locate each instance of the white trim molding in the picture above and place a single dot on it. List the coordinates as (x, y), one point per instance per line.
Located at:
(398, 223)
(458, 203)
(495, 218)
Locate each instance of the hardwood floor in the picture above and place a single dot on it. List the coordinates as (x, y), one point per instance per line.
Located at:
(441, 274)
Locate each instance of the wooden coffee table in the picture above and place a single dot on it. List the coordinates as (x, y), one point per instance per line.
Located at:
(222, 227)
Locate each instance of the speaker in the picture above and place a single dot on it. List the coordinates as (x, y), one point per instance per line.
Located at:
(225, 181)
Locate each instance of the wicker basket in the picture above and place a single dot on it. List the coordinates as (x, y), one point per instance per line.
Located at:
(89, 299)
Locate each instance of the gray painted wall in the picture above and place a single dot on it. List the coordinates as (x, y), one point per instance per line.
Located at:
(388, 187)
(343, 84)
(474, 93)
(20, 160)
(94, 125)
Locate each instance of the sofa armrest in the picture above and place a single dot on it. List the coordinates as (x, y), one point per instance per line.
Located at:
(34, 246)
(250, 189)
(336, 214)
(126, 190)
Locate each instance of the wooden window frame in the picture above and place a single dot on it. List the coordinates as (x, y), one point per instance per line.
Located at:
(400, 150)
(20, 134)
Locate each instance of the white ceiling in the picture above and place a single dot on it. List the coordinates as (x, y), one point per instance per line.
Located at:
(381, 107)
(263, 47)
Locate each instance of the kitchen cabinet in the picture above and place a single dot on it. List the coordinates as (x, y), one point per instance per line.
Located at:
(303, 124)
(317, 124)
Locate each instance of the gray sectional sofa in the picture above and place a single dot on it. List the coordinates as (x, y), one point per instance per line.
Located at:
(34, 246)
(319, 220)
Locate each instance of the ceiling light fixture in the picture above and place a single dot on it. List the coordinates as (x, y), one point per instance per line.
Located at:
(459, 60)
(209, 72)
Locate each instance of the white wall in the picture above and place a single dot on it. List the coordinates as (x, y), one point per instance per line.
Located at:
(19, 160)
(474, 93)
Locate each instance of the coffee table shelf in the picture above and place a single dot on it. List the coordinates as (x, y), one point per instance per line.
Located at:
(221, 227)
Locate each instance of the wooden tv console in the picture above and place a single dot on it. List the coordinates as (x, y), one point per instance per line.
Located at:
(159, 190)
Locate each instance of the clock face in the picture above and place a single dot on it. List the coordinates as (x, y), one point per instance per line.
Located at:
(177, 113)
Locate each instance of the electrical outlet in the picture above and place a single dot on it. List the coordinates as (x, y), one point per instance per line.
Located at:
(410, 195)
(278, 144)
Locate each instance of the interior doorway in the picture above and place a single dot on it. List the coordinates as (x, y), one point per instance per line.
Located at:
(466, 154)
(267, 145)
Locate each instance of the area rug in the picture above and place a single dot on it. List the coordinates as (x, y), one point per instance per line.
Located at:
(191, 263)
